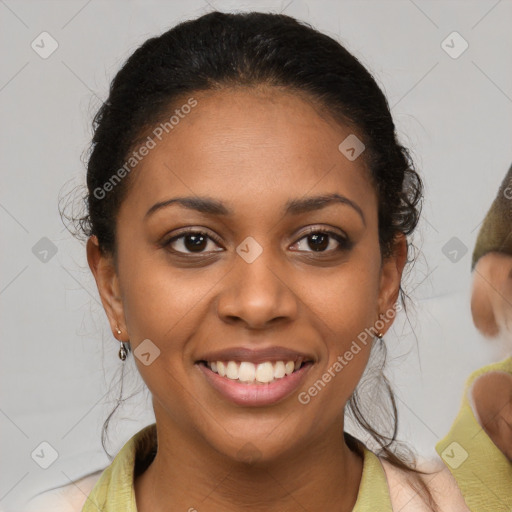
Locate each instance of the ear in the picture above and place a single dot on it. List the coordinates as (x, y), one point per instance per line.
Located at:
(391, 276)
(107, 281)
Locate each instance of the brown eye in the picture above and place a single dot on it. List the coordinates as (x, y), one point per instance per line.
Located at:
(318, 241)
(190, 242)
(323, 241)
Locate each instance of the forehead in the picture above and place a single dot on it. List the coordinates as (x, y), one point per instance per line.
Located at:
(249, 146)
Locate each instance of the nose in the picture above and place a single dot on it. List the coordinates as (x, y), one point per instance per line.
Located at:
(257, 294)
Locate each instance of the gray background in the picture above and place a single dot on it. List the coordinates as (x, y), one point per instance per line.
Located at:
(59, 359)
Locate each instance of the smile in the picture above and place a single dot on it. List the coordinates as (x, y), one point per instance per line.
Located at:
(246, 371)
(249, 384)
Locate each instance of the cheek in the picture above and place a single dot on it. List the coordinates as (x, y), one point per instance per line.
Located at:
(157, 298)
(164, 306)
(344, 309)
(346, 299)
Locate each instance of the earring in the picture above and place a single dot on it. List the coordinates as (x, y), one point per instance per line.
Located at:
(380, 336)
(122, 351)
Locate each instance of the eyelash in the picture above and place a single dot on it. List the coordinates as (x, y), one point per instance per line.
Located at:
(344, 242)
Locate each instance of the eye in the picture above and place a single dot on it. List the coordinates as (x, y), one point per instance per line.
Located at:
(192, 241)
(319, 240)
(198, 242)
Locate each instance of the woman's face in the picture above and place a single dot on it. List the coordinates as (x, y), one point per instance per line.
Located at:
(257, 280)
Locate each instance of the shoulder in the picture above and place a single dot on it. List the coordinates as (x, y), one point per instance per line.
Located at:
(68, 498)
(405, 488)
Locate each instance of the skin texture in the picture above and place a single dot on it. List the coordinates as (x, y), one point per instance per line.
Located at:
(253, 150)
(491, 299)
(491, 306)
(492, 394)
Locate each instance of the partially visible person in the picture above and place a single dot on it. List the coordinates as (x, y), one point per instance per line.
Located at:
(478, 448)
(491, 306)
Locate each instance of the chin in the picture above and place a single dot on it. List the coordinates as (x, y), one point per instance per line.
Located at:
(257, 447)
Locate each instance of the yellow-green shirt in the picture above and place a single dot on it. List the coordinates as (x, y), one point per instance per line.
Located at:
(482, 471)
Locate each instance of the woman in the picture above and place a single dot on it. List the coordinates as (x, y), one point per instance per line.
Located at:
(249, 208)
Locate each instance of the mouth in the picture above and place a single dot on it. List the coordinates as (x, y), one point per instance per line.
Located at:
(250, 373)
(255, 384)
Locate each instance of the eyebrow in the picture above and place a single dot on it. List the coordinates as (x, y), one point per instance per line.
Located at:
(292, 207)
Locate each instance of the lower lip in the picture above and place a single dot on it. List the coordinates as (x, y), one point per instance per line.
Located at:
(254, 395)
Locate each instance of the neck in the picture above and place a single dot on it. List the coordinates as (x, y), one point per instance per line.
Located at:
(324, 475)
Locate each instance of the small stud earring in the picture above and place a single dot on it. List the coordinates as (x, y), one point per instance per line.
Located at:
(380, 335)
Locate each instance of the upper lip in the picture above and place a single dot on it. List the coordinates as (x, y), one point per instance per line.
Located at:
(256, 356)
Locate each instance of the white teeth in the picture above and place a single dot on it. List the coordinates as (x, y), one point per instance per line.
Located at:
(265, 372)
(232, 370)
(246, 371)
(279, 370)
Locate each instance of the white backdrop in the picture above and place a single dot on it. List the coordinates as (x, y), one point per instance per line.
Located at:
(452, 107)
